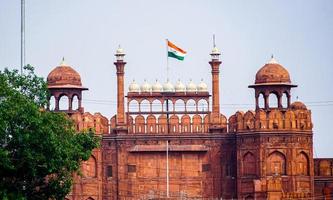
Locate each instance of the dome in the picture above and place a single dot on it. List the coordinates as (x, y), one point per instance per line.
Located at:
(272, 72)
(202, 87)
(134, 87)
(145, 87)
(120, 50)
(191, 87)
(157, 87)
(297, 105)
(64, 76)
(168, 87)
(180, 87)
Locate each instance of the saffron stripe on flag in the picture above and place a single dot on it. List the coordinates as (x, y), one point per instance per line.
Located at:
(171, 45)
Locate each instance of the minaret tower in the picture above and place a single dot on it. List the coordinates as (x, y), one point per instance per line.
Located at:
(215, 64)
(120, 65)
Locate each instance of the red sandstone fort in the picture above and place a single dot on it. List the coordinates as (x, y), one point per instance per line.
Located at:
(172, 142)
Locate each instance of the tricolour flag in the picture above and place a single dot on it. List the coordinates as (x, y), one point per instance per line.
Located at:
(175, 52)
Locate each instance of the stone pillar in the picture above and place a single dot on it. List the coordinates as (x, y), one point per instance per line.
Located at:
(257, 102)
(70, 103)
(279, 101)
(288, 100)
(266, 101)
(120, 65)
(56, 108)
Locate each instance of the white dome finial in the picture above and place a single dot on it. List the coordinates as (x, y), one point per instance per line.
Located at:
(272, 60)
(63, 63)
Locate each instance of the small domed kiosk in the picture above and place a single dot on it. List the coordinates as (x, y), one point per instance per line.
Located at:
(65, 81)
(272, 78)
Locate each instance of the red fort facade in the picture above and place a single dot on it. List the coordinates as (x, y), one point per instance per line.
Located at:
(172, 142)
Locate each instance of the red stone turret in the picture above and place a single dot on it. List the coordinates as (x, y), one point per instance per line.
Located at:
(120, 65)
(65, 81)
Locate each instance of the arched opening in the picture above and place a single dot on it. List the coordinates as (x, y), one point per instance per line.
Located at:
(63, 103)
(145, 106)
(168, 103)
(276, 164)
(196, 124)
(249, 164)
(52, 103)
(133, 106)
(191, 105)
(284, 100)
(202, 105)
(180, 105)
(261, 101)
(75, 103)
(303, 164)
(174, 124)
(151, 124)
(162, 124)
(273, 100)
(185, 124)
(139, 124)
(89, 168)
(156, 106)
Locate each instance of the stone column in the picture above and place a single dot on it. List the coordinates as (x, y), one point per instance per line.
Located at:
(120, 65)
(215, 65)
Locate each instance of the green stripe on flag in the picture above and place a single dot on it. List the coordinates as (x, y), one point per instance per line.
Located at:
(173, 55)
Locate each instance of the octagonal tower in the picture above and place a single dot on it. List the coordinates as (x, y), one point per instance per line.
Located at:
(274, 142)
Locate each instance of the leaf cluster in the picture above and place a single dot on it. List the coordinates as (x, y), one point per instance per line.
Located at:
(40, 150)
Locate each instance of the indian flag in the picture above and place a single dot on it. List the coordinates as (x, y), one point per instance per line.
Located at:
(175, 52)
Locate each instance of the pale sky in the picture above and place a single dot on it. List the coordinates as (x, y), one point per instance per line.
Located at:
(299, 33)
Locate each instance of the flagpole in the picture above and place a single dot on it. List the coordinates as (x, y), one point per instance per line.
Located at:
(167, 59)
(167, 167)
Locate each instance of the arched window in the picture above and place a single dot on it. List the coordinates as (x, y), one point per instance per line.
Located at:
(133, 106)
(180, 105)
(52, 103)
(261, 101)
(156, 105)
(276, 164)
(202, 105)
(63, 103)
(249, 164)
(75, 103)
(191, 105)
(273, 100)
(89, 168)
(302, 164)
(145, 106)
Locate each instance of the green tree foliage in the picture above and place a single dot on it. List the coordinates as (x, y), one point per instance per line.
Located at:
(40, 150)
